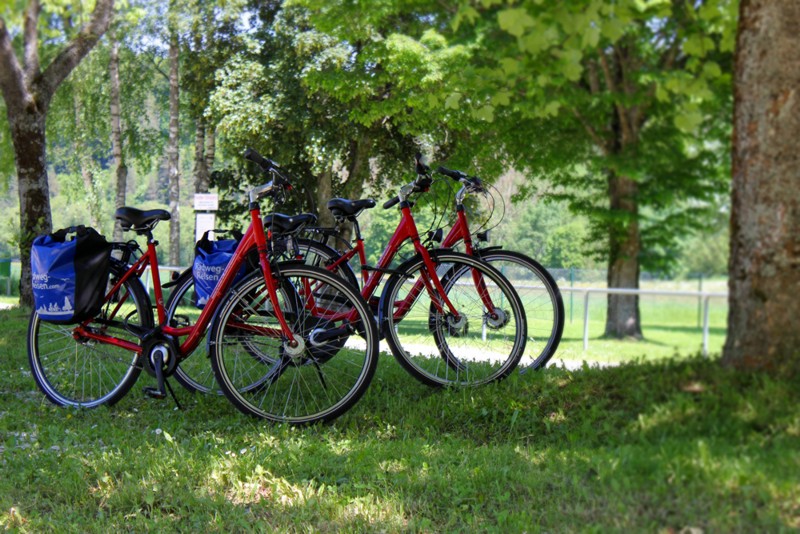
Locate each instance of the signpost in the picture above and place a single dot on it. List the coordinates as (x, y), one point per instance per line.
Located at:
(205, 204)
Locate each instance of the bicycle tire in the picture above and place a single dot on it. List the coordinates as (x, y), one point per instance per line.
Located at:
(457, 356)
(194, 373)
(87, 373)
(315, 384)
(318, 254)
(541, 299)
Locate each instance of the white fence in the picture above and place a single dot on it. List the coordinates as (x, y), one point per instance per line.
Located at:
(587, 291)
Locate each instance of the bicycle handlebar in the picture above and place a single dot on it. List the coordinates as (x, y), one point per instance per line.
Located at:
(455, 175)
(265, 163)
(472, 182)
(276, 186)
(420, 185)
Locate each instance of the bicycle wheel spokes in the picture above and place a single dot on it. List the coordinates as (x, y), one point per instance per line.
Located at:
(472, 346)
(541, 299)
(316, 379)
(86, 373)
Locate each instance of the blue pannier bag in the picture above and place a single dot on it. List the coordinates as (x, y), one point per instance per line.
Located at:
(210, 260)
(69, 275)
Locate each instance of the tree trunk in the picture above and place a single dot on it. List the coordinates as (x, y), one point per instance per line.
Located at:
(622, 318)
(28, 134)
(324, 194)
(85, 163)
(211, 148)
(172, 154)
(116, 135)
(201, 176)
(765, 215)
(27, 91)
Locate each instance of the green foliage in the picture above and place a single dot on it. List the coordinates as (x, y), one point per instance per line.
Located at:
(634, 89)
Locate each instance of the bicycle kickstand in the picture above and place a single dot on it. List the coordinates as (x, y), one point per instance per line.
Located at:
(160, 392)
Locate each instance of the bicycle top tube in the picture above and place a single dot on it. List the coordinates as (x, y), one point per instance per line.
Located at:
(143, 222)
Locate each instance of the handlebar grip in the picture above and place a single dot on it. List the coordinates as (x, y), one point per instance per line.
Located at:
(391, 202)
(455, 175)
(255, 157)
(265, 163)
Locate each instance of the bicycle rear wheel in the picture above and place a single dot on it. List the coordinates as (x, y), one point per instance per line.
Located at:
(541, 298)
(439, 349)
(318, 380)
(86, 373)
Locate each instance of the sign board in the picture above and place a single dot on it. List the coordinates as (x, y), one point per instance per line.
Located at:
(203, 222)
(206, 202)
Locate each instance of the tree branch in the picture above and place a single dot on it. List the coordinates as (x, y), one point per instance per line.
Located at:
(599, 141)
(611, 84)
(12, 79)
(31, 42)
(77, 48)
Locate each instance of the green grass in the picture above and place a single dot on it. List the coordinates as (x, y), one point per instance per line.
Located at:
(645, 446)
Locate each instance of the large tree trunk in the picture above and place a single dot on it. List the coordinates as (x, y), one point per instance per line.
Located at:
(172, 154)
(116, 136)
(27, 91)
(765, 218)
(28, 134)
(324, 194)
(622, 318)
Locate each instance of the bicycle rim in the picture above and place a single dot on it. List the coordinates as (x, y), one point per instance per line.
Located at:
(194, 372)
(541, 299)
(440, 349)
(264, 377)
(86, 373)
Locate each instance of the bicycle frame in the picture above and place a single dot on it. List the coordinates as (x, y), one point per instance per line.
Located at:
(429, 279)
(254, 237)
(459, 232)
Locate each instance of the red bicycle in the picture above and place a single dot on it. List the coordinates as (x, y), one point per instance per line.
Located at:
(289, 343)
(541, 298)
(538, 291)
(472, 313)
(448, 318)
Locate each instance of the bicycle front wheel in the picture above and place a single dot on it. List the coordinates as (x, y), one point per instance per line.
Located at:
(541, 298)
(86, 373)
(318, 378)
(482, 342)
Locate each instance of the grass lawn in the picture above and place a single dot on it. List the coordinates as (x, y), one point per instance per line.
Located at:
(653, 446)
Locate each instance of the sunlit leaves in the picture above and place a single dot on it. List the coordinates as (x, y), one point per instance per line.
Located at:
(515, 21)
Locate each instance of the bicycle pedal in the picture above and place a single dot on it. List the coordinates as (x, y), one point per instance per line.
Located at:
(154, 393)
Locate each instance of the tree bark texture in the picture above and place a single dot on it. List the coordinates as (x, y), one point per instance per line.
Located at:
(623, 318)
(116, 135)
(27, 92)
(324, 194)
(201, 174)
(28, 135)
(764, 268)
(173, 170)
